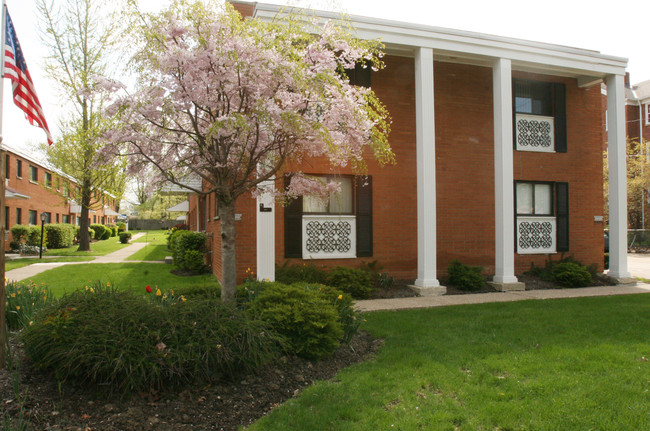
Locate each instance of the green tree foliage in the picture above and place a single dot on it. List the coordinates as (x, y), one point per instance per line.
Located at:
(82, 40)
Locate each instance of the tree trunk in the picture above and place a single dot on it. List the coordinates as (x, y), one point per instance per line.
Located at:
(228, 255)
(84, 238)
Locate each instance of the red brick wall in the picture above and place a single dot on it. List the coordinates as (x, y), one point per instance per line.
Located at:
(464, 173)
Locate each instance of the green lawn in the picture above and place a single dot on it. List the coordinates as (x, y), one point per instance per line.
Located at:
(574, 364)
(20, 262)
(128, 276)
(151, 252)
(154, 237)
(99, 248)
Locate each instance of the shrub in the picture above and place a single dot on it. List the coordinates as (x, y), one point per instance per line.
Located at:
(190, 292)
(194, 260)
(30, 249)
(19, 232)
(307, 320)
(121, 226)
(349, 318)
(99, 230)
(125, 342)
(112, 228)
(289, 274)
(571, 274)
(22, 301)
(125, 237)
(182, 243)
(465, 277)
(107, 234)
(14, 245)
(34, 237)
(355, 282)
(379, 279)
(59, 235)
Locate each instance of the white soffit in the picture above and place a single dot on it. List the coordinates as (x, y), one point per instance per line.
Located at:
(474, 48)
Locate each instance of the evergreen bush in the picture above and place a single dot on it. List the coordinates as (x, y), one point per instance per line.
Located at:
(59, 235)
(125, 237)
(99, 230)
(465, 277)
(571, 274)
(355, 282)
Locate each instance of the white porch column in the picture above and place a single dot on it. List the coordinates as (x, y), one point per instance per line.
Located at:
(617, 178)
(266, 232)
(426, 283)
(504, 276)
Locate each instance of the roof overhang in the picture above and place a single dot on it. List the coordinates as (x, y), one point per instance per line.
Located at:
(459, 46)
(181, 207)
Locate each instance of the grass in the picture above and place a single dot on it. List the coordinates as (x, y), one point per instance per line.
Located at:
(99, 248)
(575, 364)
(156, 248)
(21, 262)
(127, 276)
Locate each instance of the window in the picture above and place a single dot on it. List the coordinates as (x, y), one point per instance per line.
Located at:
(7, 160)
(33, 173)
(539, 110)
(542, 212)
(19, 168)
(48, 179)
(647, 114)
(48, 217)
(359, 75)
(32, 217)
(57, 218)
(338, 226)
(65, 218)
(6, 218)
(19, 216)
(336, 203)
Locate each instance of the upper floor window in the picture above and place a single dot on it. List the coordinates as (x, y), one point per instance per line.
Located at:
(7, 165)
(647, 114)
(33, 173)
(539, 110)
(360, 75)
(48, 179)
(19, 168)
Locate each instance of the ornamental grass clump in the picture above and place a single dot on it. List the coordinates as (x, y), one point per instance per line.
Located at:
(22, 301)
(307, 320)
(126, 342)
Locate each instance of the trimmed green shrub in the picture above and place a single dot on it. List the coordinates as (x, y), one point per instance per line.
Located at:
(112, 228)
(59, 235)
(127, 342)
(190, 292)
(125, 237)
(107, 234)
(14, 245)
(465, 277)
(121, 226)
(289, 274)
(22, 301)
(34, 237)
(349, 318)
(355, 282)
(19, 232)
(188, 249)
(571, 274)
(307, 320)
(99, 230)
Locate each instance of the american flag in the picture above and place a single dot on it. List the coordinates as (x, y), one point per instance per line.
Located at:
(23, 87)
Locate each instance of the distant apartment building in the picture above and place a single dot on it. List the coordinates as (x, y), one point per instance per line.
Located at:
(33, 189)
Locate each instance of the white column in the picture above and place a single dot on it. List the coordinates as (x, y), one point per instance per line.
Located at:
(617, 177)
(266, 232)
(426, 169)
(503, 174)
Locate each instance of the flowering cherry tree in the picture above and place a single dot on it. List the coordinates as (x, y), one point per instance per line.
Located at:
(232, 100)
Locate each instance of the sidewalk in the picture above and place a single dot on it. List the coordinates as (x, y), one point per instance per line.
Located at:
(480, 298)
(28, 271)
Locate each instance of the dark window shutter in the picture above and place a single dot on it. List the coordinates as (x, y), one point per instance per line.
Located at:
(559, 91)
(364, 215)
(293, 226)
(562, 216)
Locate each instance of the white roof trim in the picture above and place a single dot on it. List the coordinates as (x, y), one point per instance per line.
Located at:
(458, 44)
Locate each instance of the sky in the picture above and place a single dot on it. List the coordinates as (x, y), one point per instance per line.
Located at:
(596, 25)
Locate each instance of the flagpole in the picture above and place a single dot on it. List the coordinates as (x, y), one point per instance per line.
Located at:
(3, 320)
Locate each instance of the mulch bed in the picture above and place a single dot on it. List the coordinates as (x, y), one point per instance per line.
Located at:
(202, 407)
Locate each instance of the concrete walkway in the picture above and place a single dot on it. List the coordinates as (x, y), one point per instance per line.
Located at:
(118, 256)
(480, 298)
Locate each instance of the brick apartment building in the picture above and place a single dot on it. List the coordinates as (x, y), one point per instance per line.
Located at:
(33, 189)
(637, 111)
(498, 143)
